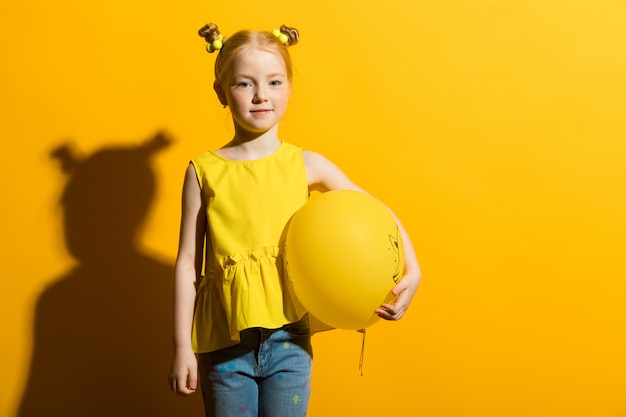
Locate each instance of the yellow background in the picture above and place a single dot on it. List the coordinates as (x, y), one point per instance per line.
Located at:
(494, 128)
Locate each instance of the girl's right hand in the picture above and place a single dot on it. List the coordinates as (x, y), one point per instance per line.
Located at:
(183, 376)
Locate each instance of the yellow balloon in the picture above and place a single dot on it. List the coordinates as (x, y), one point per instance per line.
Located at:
(343, 254)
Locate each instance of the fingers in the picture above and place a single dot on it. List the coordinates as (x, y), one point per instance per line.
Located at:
(404, 292)
(396, 310)
(184, 384)
(390, 312)
(181, 387)
(400, 287)
(183, 374)
(193, 380)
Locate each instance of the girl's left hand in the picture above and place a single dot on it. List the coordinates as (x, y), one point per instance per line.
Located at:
(404, 292)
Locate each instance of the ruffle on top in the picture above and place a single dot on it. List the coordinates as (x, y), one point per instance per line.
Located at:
(244, 290)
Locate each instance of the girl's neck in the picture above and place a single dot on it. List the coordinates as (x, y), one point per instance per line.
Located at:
(250, 146)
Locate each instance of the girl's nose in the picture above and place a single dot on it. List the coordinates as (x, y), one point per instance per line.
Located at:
(259, 96)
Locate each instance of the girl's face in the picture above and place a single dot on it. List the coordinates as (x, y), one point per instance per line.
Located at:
(257, 92)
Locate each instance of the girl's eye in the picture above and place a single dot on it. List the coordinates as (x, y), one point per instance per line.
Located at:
(243, 84)
(275, 83)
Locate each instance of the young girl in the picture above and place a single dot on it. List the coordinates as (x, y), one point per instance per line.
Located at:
(247, 335)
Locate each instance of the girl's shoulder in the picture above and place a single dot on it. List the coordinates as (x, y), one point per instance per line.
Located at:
(205, 156)
(314, 159)
(323, 175)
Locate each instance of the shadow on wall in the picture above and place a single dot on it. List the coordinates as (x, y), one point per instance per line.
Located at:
(102, 336)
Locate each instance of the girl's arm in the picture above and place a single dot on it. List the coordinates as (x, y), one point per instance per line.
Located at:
(183, 375)
(324, 176)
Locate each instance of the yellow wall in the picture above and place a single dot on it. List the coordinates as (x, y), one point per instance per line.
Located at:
(494, 128)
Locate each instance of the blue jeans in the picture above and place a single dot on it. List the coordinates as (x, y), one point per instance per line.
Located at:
(267, 374)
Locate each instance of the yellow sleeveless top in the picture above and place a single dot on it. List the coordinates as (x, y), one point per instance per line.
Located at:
(248, 205)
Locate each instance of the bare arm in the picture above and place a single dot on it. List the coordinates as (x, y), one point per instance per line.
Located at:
(183, 377)
(324, 176)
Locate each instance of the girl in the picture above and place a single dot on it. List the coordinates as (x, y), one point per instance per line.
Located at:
(252, 339)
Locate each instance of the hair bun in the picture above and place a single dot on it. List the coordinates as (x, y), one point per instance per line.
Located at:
(292, 34)
(209, 32)
(214, 39)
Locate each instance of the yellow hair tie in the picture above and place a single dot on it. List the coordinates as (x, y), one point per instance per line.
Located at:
(283, 38)
(216, 45)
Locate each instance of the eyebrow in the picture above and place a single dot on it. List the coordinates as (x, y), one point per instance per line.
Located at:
(275, 74)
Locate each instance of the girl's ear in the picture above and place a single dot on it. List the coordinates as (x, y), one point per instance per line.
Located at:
(219, 90)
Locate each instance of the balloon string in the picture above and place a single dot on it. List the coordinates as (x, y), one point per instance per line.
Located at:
(362, 358)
